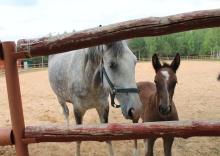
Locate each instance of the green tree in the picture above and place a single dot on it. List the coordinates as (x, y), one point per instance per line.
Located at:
(211, 42)
(138, 46)
(194, 42)
(151, 45)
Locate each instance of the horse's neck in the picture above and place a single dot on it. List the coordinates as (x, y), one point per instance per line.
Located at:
(149, 99)
(90, 69)
(150, 113)
(152, 102)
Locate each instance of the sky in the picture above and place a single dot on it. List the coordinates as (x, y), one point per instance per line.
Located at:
(23, 19)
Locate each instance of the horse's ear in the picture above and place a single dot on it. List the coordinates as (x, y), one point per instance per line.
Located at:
(176, 62)
(96, 81)
(156, 63)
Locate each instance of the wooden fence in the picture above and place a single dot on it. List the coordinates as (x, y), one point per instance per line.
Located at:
(21, 136)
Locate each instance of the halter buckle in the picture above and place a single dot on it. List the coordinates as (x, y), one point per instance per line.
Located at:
(114, 90)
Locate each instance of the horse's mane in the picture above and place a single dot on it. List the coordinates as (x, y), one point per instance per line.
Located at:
(116, 49)
(94, 53)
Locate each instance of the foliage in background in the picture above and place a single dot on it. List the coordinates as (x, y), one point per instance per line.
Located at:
(190, 43)
(37, 60)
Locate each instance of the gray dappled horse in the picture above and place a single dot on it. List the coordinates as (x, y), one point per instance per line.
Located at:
(85, 78)
(157, 100)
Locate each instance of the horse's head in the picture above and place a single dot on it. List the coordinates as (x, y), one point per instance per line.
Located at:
(165, 80)
(118, 66)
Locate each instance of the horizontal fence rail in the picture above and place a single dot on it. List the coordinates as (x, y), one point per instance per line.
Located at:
(36, 65)
(6, 136)
(106, 132)
(152, 26)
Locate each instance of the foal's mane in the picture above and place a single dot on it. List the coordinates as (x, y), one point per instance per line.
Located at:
(165, 64)
(95, 53)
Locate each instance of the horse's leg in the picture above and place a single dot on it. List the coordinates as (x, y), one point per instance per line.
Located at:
(149, 147)
(167, 145)
(103, 116)
(78, 113)
(135, 150)
(65, 109)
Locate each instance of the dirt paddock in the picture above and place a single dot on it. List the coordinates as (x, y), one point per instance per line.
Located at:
(197, 97)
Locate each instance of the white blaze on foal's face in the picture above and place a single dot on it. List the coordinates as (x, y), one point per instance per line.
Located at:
(166, 78)
(166, 75)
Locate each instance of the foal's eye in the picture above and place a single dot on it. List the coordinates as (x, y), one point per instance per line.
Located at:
(112, 65)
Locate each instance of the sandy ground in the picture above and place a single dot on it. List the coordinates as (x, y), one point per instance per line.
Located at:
(196, 97)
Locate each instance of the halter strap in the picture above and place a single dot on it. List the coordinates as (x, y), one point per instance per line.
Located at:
(114, 89)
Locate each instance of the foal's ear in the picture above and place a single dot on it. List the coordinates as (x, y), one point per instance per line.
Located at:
(156, 63)
(175, 63)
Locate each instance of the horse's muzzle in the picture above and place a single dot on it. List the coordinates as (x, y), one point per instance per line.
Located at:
(164, 111)
(136, 112)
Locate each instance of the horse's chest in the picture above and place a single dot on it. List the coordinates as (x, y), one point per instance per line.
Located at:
(90, 98)
(91, 101)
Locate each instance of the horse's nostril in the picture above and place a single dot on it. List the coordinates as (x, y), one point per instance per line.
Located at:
(164, 111)
(130, 114)
(170, 109)
(161, 110)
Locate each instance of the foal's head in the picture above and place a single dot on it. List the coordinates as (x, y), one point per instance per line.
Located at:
(165, 80)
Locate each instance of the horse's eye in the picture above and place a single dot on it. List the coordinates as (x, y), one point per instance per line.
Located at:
(112, 65)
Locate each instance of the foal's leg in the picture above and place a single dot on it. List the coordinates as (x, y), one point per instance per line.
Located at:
(78, 113)
(167, 145)
(149, 147)
(103, 116)
(65, 109)
(135, 150)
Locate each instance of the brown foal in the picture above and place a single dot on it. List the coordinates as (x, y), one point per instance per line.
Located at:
(157, 100)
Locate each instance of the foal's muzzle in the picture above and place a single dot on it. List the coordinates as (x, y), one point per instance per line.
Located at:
(164, 111)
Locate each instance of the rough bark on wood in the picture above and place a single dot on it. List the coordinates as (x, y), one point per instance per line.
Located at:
(103, 132)
(152, 26)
